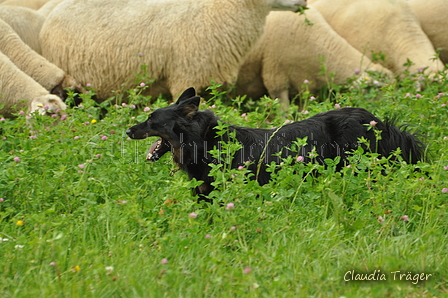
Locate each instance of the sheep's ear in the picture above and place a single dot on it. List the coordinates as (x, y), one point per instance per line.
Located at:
(188, 107)
(190, 92)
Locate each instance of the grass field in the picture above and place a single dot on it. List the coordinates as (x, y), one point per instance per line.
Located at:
(82, 214)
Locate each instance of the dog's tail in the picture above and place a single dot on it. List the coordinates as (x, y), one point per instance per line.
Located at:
(412, 148)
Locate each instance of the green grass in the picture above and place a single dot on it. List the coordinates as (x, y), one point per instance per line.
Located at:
(83, 214)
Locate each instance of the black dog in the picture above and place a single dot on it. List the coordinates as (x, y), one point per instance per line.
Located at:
(190, 133)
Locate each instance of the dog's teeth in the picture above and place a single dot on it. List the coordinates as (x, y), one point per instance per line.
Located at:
(159, 143)
(149, 156)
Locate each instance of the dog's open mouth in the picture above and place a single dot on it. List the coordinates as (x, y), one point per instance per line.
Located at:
(158, 149)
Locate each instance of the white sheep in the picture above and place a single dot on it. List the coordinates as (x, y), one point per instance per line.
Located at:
(25, 22)
(183, 42)
(33, 4)
(41, 70)
(290, 51)
(382, 26)
(19, 90)
(433, 16)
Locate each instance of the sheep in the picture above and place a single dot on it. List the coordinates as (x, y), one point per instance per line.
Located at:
(25, 22)
(19, 90)
(432, 15)
(33, 4)
(289, 52)
(41, 70)
(182, 43)
(382, 26)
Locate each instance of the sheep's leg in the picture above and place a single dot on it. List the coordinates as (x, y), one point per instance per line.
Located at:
(284, 101)
(283, 97)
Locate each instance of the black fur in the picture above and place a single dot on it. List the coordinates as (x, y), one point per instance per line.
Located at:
(190, 133)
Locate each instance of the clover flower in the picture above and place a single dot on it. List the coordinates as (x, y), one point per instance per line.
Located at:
(230, 206)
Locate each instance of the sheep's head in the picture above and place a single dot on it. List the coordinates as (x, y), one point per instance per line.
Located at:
(49, 102)
(68, 82)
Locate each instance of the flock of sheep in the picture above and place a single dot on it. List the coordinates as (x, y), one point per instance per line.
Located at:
(47, 46)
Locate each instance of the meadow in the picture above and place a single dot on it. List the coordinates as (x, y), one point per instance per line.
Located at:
(82, 214)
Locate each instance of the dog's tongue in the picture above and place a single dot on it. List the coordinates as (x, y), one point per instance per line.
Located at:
(153, 148)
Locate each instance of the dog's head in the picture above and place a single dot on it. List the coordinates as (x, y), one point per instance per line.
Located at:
(168, 123)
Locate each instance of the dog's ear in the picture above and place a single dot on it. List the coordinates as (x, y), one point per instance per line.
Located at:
(190, 92)
(189, 107)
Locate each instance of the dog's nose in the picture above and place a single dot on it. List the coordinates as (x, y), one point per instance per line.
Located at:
(128, 132)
